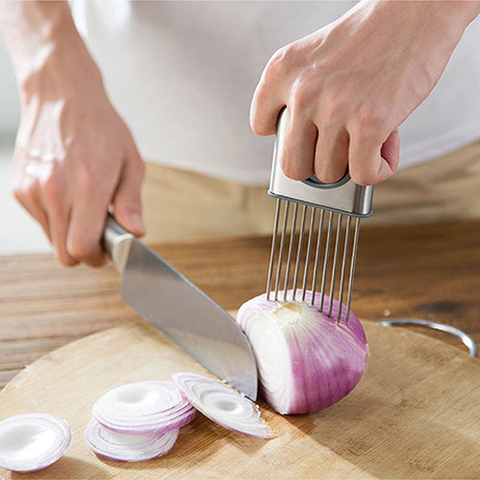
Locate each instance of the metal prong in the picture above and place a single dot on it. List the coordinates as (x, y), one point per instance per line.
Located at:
(352, 267)
(299, 252)
(290, 250)
(326, 259)
(280, 253)
(317, 257)
(309, 250)
(335, 260)
(274, 245)
(344, 267)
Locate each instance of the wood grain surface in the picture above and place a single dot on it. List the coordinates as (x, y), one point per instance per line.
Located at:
(430, 272)
(414, 414)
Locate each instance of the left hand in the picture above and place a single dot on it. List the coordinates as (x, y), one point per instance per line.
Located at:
(350, 85)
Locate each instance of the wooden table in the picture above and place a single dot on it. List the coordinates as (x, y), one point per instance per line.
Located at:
(429, 272)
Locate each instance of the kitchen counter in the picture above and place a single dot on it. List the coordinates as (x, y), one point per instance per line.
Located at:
(429, 272)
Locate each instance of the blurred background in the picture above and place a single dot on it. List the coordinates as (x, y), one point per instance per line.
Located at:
(18, 232)
(448, 120)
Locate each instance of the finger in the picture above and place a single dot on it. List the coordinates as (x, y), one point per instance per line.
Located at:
(391, 150)
(331, 155)
(366, 162)
(58, 231)
(298, 147)
(58, 212)
(85, 233)
(267, 102)
(127, 202)
(41, 217)
(28, 196)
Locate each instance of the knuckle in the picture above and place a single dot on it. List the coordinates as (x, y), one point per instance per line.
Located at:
(81, 248)
(327, 176)
(277, 65)
(17, 192)
(371, 120)
(276, 59)
(51, 185)
(326, 171)
(65, 260)
(97, 262)
(306, 93)
(301, 99)
(331, 111)
(257, 127)
(364, 178)
(29, 193)
(295, 171)
(25, 194)
(86, 181)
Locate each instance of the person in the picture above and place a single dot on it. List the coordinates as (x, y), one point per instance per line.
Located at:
(182, 74)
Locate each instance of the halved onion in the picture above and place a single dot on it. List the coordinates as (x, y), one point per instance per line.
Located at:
(33, 441)
(143, 407)
(306, 360)
(223, 405)
(127, 447)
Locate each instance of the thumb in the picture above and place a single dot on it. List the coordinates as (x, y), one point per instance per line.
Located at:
(391, 150)
(127, 202)
(371, 161)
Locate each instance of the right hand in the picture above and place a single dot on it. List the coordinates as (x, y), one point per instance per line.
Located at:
(74, 156)
(351, 84)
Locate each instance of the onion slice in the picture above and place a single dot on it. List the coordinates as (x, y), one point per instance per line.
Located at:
(143, 407)
(33, 441)
(223, 405)
(127, 447)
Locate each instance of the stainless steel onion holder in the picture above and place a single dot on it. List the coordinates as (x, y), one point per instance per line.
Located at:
(320, 203)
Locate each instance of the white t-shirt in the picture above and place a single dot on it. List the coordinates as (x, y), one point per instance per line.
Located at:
(182, 74)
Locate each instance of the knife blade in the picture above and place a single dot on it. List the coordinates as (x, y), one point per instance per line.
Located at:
(165, 298)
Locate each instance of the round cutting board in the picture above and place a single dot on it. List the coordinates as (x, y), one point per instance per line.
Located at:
(415, 414)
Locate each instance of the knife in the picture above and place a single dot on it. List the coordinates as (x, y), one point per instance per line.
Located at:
(170, 302)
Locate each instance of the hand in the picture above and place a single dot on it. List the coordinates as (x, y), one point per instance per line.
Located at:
(74, 157)
(350, 85)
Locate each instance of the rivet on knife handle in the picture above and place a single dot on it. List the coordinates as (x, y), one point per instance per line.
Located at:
(117, 242)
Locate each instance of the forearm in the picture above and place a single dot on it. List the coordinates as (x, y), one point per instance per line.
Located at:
(464, 10)
(444, 18)
(45, 46)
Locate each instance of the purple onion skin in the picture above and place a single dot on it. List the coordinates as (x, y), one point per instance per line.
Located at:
(326, 364)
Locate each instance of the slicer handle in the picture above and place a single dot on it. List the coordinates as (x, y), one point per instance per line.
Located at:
(116, 242)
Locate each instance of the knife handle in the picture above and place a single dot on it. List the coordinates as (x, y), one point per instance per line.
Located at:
(116, 242)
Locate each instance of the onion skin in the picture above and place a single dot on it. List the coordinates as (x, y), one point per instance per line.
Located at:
(306, 361)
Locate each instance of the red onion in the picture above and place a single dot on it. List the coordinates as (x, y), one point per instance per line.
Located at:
(306, 360)
(127, 447)
(223, 405)
(143, 407)
(32, 441)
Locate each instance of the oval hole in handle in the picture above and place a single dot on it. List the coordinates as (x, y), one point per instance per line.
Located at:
(314, 182)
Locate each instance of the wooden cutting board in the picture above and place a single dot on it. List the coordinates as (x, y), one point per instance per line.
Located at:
(415, 414)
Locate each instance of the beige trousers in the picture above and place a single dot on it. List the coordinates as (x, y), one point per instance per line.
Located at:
(181, 205)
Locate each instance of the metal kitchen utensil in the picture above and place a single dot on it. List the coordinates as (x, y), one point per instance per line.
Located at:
(467, 340)
(322, 203)
(175, 306)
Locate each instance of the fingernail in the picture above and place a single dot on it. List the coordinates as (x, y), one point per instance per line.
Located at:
(137, 223)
